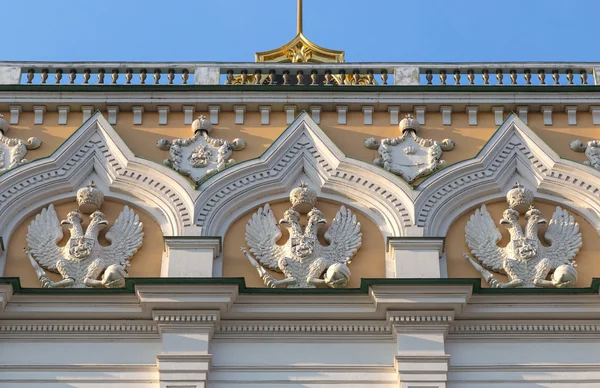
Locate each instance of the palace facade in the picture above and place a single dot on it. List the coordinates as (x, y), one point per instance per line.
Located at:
(299, 221)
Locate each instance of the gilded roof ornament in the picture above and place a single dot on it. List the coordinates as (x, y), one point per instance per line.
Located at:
(300, 49)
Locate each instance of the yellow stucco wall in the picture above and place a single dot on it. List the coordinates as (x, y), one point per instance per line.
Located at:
(469, 140)
(588, 258)
(145, 263)
(369, 261)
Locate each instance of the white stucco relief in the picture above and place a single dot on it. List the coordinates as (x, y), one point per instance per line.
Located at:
(12, 150)
(96, 151)
(514, 152)
(410, 156)
(200, 156)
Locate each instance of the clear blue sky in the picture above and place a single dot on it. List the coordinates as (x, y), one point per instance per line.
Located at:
(233, 30)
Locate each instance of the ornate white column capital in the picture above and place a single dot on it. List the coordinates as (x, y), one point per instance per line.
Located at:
(421, 359)
(185, 359)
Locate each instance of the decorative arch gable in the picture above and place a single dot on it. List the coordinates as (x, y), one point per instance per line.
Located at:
(96, 150)
(514, 152)
(303, 152)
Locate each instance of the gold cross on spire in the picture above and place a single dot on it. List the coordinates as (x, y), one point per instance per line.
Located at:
(299, 16)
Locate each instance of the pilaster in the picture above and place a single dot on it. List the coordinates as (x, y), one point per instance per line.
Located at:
(190, 256)
(416, 257)
(421, 359)
(185, 359)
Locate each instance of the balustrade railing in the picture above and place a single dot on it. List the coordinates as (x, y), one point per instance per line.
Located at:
(304, 74)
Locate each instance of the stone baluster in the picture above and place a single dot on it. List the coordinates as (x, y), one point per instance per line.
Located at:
(272, 79)
(30, 75)
(143, 75)
(370, 78)
(471, 76)
(300, 77)
(314, 78)
(328, 78)
(443, 77)
(513, 77)
(527, 75)
(356, 78)
(456, 77)
(44, 75)
(115, 76)
(343, 77)
(244, 77)
(101, 73)
(499, 76)
(286, 77)
(569, 77)
(171, 76)
(429, 77)
(156, 76)
(485, 76)
(128, 76)
(583, 75)
(555, 77)
(185, 76)
(72, 76)
(384, 77)
(229, 78)
(87, 73)
(58, 75)
(542, 76)
(258, 77)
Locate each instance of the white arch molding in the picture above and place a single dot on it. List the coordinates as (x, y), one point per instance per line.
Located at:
(303, 152)
(513, 153)
(96, 151)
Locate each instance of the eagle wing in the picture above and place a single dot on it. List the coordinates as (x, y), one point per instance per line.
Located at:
(125, 237)
(262, 234)
(482, 238)
(344, 237)
(43, 235)
(564, 238)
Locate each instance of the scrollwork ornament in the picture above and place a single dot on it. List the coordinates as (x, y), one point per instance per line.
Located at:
(410, 156)
(13, 151)
(201, 155)
(591, 150)
(304, 262)
(525, 260)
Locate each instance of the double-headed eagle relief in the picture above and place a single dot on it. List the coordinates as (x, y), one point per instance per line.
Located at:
(304, 262)
(200, 156)
(13, 151)
(409, 156)
(526, 261)
(83, 262)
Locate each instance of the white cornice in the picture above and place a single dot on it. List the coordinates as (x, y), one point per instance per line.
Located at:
(201, 100)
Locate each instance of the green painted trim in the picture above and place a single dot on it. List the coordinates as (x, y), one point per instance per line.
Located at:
(365, 284)
(293, 88)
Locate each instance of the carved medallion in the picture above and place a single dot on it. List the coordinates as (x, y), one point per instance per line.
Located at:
(83, 262)
(525, 260)
(200, 156)
(591, 150)
(409, 156)
(304, 262)
(13, 151)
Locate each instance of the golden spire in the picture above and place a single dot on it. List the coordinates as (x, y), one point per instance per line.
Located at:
(299, 17)
(300, 49)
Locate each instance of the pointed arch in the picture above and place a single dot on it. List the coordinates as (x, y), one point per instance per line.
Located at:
(95, 149)
(514, 151)
(303, 151)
